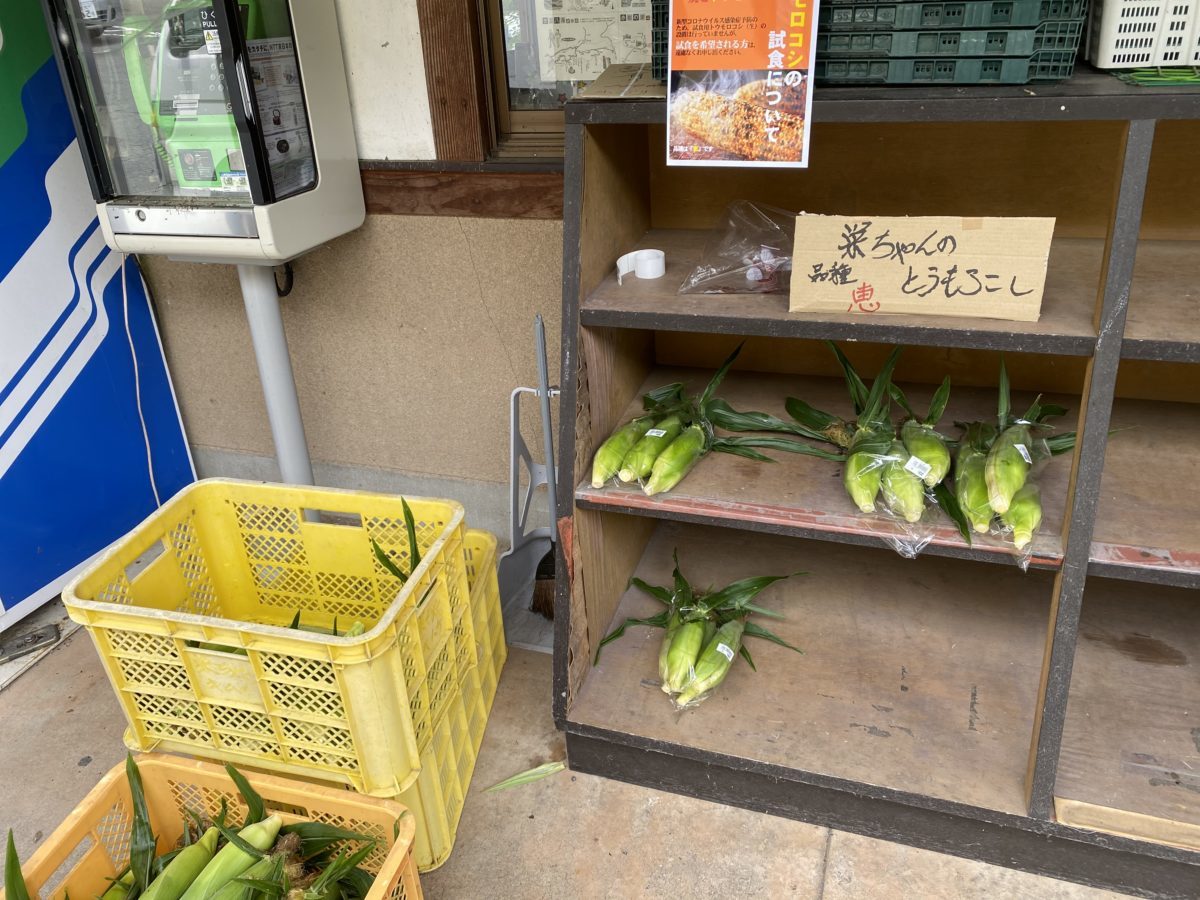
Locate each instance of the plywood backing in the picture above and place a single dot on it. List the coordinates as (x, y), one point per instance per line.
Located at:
(1060, 169)
(1132, 737)
(615, 198)
(917, 676)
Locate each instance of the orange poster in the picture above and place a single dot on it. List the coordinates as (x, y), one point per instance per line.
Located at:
(739, 84)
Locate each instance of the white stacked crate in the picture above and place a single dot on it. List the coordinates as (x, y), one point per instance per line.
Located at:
(1131, 34)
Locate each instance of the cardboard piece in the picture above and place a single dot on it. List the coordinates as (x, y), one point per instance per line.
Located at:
(625, 81)
(992, 268)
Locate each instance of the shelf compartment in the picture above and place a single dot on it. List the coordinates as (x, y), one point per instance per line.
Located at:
(1065, 327)
(1147, 519)
(802, 496)
(1163, 322)
(1130, 761)
(919, 678)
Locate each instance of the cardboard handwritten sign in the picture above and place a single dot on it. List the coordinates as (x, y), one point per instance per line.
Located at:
(992, 268)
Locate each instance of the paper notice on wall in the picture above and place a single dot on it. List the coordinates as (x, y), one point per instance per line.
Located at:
(926, 265)
(284, 121)
(579, 39)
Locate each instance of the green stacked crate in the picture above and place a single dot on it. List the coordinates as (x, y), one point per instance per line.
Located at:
(962, 42)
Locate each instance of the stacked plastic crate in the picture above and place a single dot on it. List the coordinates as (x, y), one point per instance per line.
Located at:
(1129, 34)
(962, 42)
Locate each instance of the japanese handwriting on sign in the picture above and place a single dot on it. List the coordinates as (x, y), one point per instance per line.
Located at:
(852, 240)
(837, 273)
(954, 282)
(862, 297)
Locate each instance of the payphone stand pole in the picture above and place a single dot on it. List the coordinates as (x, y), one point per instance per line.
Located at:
(275, 372)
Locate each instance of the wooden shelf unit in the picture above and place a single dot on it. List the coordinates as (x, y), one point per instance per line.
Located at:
(1118, 338)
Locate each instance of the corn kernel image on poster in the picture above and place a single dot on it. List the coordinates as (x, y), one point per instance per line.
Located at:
(740, 82)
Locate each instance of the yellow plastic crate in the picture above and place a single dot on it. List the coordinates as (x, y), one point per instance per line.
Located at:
(189, 613)
(480, 553)
(91, 846)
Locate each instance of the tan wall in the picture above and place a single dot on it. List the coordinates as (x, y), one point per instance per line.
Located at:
(406, 336)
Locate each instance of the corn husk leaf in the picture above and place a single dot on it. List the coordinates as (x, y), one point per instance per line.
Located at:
(356, 884)
(755, 630)
(339, 868)
(414, 552)
(745, 654)
(737, 596)
(660, 594)
(950, 505)
(811, 417)
(237, 840)
(684, 595)
(745, 446)
(163, 861)
(854, 384)
(545, 770)
(296, 620)
(722, 415)
(658, 621)
(14, 881)
(256, 810)
(664, 400)
(142, 844)
(1004, 399)
(718, 377)
(385, 561)
(317, 837)
(875, 410)
(899, 396)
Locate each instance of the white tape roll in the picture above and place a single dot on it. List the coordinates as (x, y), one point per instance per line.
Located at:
(643, 264)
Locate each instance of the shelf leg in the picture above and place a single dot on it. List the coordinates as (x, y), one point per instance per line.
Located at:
(275, 372)
(1087, 469)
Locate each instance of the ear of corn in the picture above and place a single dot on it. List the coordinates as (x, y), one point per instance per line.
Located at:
(970, 487)
(1024, 515)
(608, 459)
(664, 653)
(1007, 466)
(183, 869)
(640, 459)
(232, 860)
(928, 446)
(713, 663)
(681, 658)
(903, 492)
(676, 461)
(118, 890)
(863, 473)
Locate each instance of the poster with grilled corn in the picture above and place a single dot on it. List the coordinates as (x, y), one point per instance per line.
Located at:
(738, 88)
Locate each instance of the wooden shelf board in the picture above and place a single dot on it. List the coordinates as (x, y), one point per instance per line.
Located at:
(803, 496)
(1089, 95)
(1065, 326)
(1131, 745)
(1147, 525)
(917, 677)
(1163, 322)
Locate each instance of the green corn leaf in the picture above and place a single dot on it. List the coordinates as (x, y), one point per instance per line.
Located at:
(256, 810)
(684, 595)
(545, 770)
(296, 618)
(141, 836)
(659, 621)
(754, 630)
(809, 416)
(739, 593)
(716, 380)
(854, 384)
(316, 837)
(744, 452)
(1051, 411)
(335, 628)
(758, 610)
(663, 400)
(237, 840)
(745, 654)
(162, 862)
(1004, 399)
(899, 396)
(722, 415)
(425, 596)
(414, 552)
(1034, 413)
(949, 503)
(937, 406)
(14, 881)
(660, 594)
(1062, 443)
(385, 561)
(338, 869)
(736, 446)
(356, 884)
(878, 400)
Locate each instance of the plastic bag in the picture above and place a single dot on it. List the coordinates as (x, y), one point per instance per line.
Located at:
(885, 482)
(1022, 449)
(749, 252)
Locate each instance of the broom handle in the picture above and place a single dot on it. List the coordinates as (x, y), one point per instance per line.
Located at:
(539, 327)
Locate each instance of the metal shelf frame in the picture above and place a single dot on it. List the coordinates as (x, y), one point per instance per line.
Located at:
(1034, 842)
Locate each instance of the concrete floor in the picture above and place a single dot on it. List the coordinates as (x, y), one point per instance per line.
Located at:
(566, 836)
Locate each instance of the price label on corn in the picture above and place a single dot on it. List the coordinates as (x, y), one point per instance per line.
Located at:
(992, 268)
(1024, 451)
(656, 432)
(917, 466)
(726, 651)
